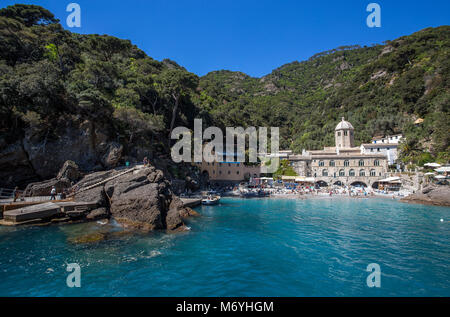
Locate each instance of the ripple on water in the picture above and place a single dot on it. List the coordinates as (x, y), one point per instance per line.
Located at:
(243, 248)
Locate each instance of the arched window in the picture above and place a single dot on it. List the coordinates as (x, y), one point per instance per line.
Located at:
(361, 163)
(346, 163)
(341, 173)
(332, 163)
(376, 163)
(362, 173)
(351, 173)
(321, 163)
(373, 173)
(325, 173)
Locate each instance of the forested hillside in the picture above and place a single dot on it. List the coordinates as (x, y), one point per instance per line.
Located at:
(381, 89)
(98, 100)
(95, 99)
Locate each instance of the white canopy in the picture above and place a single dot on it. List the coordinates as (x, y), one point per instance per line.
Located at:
(428, 174)
(443, 169)
(390, 180)
(305, 179)
(432, 165)
(288, 178)
(440, 177)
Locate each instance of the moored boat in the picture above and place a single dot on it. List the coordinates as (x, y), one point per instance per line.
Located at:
(211, 200)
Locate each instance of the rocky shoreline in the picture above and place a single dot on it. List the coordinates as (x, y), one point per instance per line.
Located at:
(431, 195)
(138, 198)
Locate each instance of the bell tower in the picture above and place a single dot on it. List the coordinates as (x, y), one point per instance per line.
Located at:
(344, 135)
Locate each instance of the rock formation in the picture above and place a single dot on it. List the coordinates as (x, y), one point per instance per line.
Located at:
(431, 195)
(68, 174)
(141, 199)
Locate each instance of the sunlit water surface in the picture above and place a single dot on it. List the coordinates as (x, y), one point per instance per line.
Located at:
(261, 247)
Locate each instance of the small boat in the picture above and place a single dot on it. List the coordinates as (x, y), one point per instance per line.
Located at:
(211, 200)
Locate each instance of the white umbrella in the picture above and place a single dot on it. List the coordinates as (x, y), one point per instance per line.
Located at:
(432, 165)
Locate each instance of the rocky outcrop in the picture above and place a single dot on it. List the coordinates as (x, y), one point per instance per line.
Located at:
(144, 199)
(113, 155)
(15, 167)
(44, 188)
(431, 195)
(99, 213)
(138, 199)
(38, 156)
(69, 171)
(67, 175)
(96, 194)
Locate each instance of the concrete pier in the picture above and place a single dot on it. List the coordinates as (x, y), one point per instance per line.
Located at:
(39, 211)
(46, 211)
(191, 202)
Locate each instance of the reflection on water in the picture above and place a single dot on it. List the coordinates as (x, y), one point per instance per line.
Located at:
(261, 247)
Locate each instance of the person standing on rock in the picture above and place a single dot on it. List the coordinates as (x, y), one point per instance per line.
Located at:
(53, 193)
(16, 193)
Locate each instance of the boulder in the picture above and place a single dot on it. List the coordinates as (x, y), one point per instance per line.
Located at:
(66, 175)
(112, 155)
(144, 199)
(69, 171)
(99, 213)
(44, 188)
(96, 194)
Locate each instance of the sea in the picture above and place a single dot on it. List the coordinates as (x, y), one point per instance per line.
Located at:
(242, 247)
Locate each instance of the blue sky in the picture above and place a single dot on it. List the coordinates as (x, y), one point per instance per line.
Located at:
(252, 36)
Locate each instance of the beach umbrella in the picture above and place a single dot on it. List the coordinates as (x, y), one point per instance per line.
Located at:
(432, 165)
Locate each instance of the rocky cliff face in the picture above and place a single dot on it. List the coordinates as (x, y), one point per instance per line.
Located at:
(35, 158)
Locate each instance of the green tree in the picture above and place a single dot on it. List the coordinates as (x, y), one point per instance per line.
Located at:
(174, 85)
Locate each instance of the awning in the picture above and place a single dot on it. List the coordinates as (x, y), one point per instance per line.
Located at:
(432, 165)
(444, 169)
(288, 178)
(305, 179)
(440, 177)
(390, 180)
(428, 174)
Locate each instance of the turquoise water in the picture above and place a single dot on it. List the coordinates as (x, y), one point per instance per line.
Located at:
(264, 247)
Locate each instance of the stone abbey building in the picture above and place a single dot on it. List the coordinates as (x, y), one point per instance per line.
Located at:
(343, 164)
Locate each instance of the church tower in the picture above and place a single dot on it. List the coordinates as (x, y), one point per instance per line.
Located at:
(344, 135)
